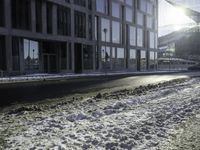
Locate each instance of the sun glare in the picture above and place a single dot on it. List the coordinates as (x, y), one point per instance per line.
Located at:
(177, 18)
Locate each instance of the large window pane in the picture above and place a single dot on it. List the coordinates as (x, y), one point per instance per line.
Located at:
(151, 60)
(143, 61)
(129, 14)
(63, 20)
(140, 37)
(105, 57)
(151, 40)
(143, 5)
(149, 22)
(129, 2)
(80, 24)
(102, 6)
(105, 30)
(88, 57)
(150, 8)
(132, 34)
(115, 9)
(132, 59)
(116, 30)
(21, 14)
(120, 57)
(140, 18)
(31, 55)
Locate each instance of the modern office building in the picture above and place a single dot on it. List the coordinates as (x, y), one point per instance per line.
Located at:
(77, 36)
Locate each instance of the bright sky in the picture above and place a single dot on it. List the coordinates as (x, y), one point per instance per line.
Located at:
(171, 18)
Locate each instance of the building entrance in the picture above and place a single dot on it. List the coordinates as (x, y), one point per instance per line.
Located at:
(50, 61)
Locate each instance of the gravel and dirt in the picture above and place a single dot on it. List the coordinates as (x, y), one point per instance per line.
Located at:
(164, 116)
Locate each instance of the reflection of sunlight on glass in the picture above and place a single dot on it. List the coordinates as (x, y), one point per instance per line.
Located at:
(177, 18)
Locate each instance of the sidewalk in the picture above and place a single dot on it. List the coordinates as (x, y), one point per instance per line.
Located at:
(48, 77)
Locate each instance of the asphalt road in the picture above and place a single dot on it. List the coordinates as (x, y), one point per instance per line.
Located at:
(37, 91)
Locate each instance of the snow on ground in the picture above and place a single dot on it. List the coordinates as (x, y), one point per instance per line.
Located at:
(144, 118)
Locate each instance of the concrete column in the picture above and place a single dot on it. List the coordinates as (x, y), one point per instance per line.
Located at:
(54, 20)
(7, 6)
(33, 16)
(73, 59)
(21, 55)
(87, 29)
(44, 17)
(8, 45)
(8, 38)
(72, 23)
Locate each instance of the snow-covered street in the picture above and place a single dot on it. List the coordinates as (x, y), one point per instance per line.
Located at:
(148, 117)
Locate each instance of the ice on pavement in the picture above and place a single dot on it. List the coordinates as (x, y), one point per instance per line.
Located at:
(140, 121)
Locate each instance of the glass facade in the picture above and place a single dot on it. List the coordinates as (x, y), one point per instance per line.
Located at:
(79, 35)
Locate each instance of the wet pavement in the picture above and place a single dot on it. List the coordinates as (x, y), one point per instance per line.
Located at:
(41, 90)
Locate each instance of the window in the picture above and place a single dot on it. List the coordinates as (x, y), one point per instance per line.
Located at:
(150, 8)
(102, 6)
(21, 14)
(129, 2)
(31, 55)
(140, 19)
(16, 44)
(132, 35)
(151, 40)
(49, 18)
(140, 40)
(118, 58)
(105, 57)
(116, 32)
(88, 57)
(2, 17)
(105, 30)
(149, 22)
(63, 20)
(80, 2)
(63, 56)
(143, 5)
(80, 24)
(143, 61)
(151, 60)
(38, 11)
(90, 26)
(115, 9)
(132, 60)
(129, 14)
